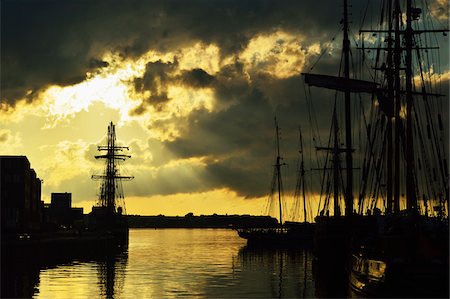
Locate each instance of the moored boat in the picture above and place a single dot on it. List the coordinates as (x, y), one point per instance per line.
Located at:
(406, 253)
(287, 233)
(107, 216)
(394, 241)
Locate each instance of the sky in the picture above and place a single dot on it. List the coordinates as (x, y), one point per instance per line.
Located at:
(192, 86)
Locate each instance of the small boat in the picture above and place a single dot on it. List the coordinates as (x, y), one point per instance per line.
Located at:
(288, 233)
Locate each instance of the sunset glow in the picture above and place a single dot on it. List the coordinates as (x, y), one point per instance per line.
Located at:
(194, 98)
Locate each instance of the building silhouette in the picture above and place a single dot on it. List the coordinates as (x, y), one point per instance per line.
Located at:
(20, 195)
(22, 210)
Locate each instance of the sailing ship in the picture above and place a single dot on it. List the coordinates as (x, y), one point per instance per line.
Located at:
(333, 232)
(389, 251)
(286, 234)
(407, 254)
(108, 215)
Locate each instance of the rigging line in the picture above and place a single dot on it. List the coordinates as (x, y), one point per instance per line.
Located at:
(369, 70)
(324, 51)
(427, 41)
(437, 19)
(431, 122)
(300, 179)
(380, 165)
(381, 9)
(363, 181)
(379, 159)
(296, 191)
(370, 152)
(269, 198)
(370, 170)
(364, 15)
(283, 198)
(426, 162)
(316, 135)
(309, 102)
(436, 41)
(311, 134)
(324, 189)
(309, 194)
(326, 206)
(374, 184)
(326, 176)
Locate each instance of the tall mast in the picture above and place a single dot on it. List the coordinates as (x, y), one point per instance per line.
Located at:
(348, 117)
(398, 125)
(302, 173)
(278, 169)
(346, 85)
(336, 165)
(389, 75)
(400, 46)
(111, 179)
(411, 200)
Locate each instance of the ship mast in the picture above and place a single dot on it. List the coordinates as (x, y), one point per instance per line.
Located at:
(390, 95)
(348, 117)
(336, 164)
(111, 180)
(401, 44)
(302, 174)
(300, 188)
(346, 85)
(411, 200)
(278, 170)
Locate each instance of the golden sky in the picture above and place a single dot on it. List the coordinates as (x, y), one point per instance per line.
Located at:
(192, 89)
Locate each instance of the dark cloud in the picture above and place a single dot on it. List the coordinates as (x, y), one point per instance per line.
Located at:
(239, 141)
(197, 78)
(57, 42)
(96, 63)
(231, 83)
(156, 78)
(156, 74)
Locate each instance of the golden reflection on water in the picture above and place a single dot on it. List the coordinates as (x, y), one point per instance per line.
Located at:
(194, 263)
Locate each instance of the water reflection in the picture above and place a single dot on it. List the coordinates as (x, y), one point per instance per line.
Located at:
(331, 279)
(279, 273)
(19, 275)
(196, 263)
(111, 273)
(28, 272)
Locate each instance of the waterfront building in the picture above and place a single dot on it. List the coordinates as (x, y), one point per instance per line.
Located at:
(20, 195)
(60, 208)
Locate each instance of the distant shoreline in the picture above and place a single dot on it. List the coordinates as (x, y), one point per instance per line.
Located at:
(202, 221)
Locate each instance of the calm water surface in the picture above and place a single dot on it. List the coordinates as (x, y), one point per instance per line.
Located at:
(195, 263)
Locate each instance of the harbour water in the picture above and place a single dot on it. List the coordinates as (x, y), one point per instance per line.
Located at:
(174, 263)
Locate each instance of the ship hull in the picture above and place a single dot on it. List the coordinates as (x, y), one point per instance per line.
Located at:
(299, 235)
(378, 277)
(406, 257)
(103, 221)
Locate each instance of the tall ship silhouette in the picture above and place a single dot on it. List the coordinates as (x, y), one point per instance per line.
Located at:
(108, 214)
(393, 237)
(287, 233)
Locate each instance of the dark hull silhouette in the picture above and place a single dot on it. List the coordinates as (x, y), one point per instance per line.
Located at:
(102, 220)
(407, 256)
(290, 235)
